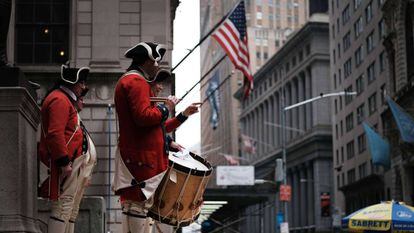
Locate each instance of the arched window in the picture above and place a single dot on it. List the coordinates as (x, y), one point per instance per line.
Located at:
(42, 31)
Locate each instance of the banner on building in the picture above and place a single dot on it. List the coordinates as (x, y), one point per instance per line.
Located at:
(249, 145)
(325, 204)
(404, 121)
(285, 192)
(379, 148)
(214, 99)
(235, 175)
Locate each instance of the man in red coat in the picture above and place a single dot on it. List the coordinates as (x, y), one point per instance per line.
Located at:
(142, 155)
(63, 146)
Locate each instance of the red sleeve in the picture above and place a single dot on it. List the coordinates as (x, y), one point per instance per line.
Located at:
(172, 124)
(58, 115)
(139, 101)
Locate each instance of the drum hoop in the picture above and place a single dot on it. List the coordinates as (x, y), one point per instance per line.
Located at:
(194, 172)
(167, 220)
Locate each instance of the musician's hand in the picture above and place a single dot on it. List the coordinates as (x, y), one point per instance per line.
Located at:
(171, 102)
(175, 146)
(190, 110)
(66, 170)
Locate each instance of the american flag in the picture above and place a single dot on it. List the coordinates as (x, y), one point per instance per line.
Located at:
(232, 36)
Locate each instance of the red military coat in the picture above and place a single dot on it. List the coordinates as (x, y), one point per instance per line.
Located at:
(59, 125)
(141, 133)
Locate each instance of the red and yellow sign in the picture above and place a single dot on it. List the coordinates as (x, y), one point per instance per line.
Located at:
(285, 192)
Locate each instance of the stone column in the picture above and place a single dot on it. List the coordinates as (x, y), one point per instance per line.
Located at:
(19, 120)
(265, 126)
(295, 198)
(311, 199)
(272, 120)
(302, 112)
(308, 95)
(302, 206)
(105, 32)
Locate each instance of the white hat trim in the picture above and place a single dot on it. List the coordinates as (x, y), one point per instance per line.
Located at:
(77, 74)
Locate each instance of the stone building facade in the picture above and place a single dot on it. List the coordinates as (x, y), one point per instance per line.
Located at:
(399, 44)
(301, 69)
(45, 34)
(358, 64)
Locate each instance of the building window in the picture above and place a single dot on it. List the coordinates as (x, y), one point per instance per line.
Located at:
(287, 67)
(362, 145)
(336, 106)
(333, 31)
(349, 122)
(370, 42)
(358, 27)
(348, 68)
(362, 170)
(360, 113)
(371, 72)
(42, 32)
(350, 150)
(343, 178)
(368, 12)
(380, 2)
(345, 15)
(382, 61)
(360, 84)
(347, 41)
(334, 56)
(348, 98)
(294, 61)
(383, 94)
(351, 176)
(338, 26)
(307, 48)
(301, 56)
(359, 57)
(381, 29)
(265, 55)
(341, 125)
(338, 182)
(372, 103)
(277, 43)
(336, 131)
(339, 51)
(357, 3)
(258, 55)
(342, 154)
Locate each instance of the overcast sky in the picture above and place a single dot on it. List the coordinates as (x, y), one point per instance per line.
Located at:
(186, 35)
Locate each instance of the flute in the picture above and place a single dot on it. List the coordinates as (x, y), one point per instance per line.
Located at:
(159, 99)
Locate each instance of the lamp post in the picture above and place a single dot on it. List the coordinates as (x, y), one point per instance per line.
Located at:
(286, 108)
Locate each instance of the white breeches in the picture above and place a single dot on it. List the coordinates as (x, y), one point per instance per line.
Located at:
(134, 217)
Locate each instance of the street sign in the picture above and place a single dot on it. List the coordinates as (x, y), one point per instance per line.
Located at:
(285, 192)
(235, 175)
(284, 227)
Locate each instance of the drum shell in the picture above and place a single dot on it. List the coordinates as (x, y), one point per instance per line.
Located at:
(191, 184)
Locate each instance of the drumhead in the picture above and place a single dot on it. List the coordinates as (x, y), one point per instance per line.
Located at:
(188, 161)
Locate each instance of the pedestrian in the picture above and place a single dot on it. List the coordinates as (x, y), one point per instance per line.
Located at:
(142, 155)
(65, 148)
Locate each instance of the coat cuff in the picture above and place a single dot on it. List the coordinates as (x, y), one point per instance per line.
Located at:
(62, 161)
(164, 111)
(181, 118)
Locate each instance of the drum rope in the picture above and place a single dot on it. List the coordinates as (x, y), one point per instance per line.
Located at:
(181, 195)
(163, 191)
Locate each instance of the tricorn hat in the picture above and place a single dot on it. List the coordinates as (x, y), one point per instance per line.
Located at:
(146, 50)
(162, 75)
(73, 75)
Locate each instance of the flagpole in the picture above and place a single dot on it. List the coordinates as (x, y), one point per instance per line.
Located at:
(202, 78)
(206, 36)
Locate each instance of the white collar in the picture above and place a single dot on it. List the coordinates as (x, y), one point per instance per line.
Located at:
(69, 92)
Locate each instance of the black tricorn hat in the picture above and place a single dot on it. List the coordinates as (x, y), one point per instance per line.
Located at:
(162, 75)
(146, 50)
(73, 75)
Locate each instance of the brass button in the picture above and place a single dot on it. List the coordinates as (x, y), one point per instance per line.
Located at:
(139, 164)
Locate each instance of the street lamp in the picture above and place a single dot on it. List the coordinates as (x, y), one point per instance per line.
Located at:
(284, 109)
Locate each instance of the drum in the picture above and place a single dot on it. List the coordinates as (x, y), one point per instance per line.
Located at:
(179, 196)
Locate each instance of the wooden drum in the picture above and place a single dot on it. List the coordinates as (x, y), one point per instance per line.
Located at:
(179, 196)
